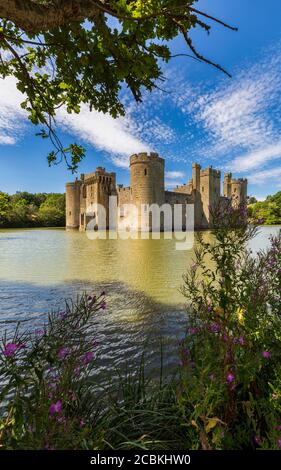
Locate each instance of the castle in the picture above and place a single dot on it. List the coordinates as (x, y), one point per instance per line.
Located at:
(147, 187)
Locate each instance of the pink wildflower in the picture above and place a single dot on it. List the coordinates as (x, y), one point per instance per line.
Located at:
(230, 377)
(11, 349)
(55, 408)
(88, 357)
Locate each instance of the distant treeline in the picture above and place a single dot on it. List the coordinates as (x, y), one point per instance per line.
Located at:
(266, 212)
(24, 209)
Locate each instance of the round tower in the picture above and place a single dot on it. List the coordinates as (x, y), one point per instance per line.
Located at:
(147, 179)
(72, 202)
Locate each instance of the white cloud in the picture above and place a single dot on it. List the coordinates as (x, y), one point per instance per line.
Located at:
(114, 136)
(175, 174)
(255, 159)
(104, 133)
(239, 119)
(271, 176)
(12, 116)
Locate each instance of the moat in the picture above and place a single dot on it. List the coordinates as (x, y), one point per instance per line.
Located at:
(142, 278)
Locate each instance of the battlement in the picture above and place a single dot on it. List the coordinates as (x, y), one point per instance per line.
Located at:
(97, 175)
(148, 187)
(210, 172)
(120, 187)
(239, 181)
(73, 184)
(145, 157)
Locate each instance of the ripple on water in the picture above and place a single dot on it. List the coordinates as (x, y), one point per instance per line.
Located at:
(40, 268)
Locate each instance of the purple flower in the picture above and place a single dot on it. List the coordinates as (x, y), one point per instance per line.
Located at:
(274, 396)
(62, 315)
(82, 423)
(215, 328)
(185, 352)
(11, 349)
(39, 332)
(88, 357)
(241, 340)
(193, 330)
(103, 305)
(55, 408)
(61, 419)
(63, 352)
(257, 440)
(52, 386)
(230, 377)
(279, 442)
(278, 428)
(210, 308)
(226, 337)
(266, 354)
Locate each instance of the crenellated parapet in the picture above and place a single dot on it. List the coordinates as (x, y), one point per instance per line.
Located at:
(84, 197)
(145, 157)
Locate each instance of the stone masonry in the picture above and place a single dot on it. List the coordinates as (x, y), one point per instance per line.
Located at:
(147, 187)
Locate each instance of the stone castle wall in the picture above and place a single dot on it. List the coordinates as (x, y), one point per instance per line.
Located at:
(147, 187)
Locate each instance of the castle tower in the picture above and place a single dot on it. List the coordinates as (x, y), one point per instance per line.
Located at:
(72, 200)
(147, 182)
(210, 181)
(97, 188)
(196, 176)
(239, 191)
(227, 185)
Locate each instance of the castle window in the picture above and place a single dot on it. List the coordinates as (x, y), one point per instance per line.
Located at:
(69, 213)
(202, 189)
(84, 192)
(145, 172)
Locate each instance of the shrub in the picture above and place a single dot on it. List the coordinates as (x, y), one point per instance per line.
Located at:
(50, 399)
(44, 395)
(231, 355)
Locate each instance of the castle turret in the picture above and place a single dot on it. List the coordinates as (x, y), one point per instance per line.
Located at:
(196, 168)
(239, 191)
(147, 180)
(210, 181)
(72, 200)
(99, 185)
(227, 185)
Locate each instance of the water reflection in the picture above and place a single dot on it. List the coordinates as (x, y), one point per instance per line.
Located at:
(39, 268)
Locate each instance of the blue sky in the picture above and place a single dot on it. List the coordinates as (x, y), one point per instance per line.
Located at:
(232, 124)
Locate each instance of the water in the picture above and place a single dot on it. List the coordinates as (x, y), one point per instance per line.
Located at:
(39, 268)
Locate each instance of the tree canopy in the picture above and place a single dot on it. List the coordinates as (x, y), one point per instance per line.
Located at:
(25, 209)
(266, 212)
(70, 52)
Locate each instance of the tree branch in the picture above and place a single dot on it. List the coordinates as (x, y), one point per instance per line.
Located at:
(192, 48)
(34, 17)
